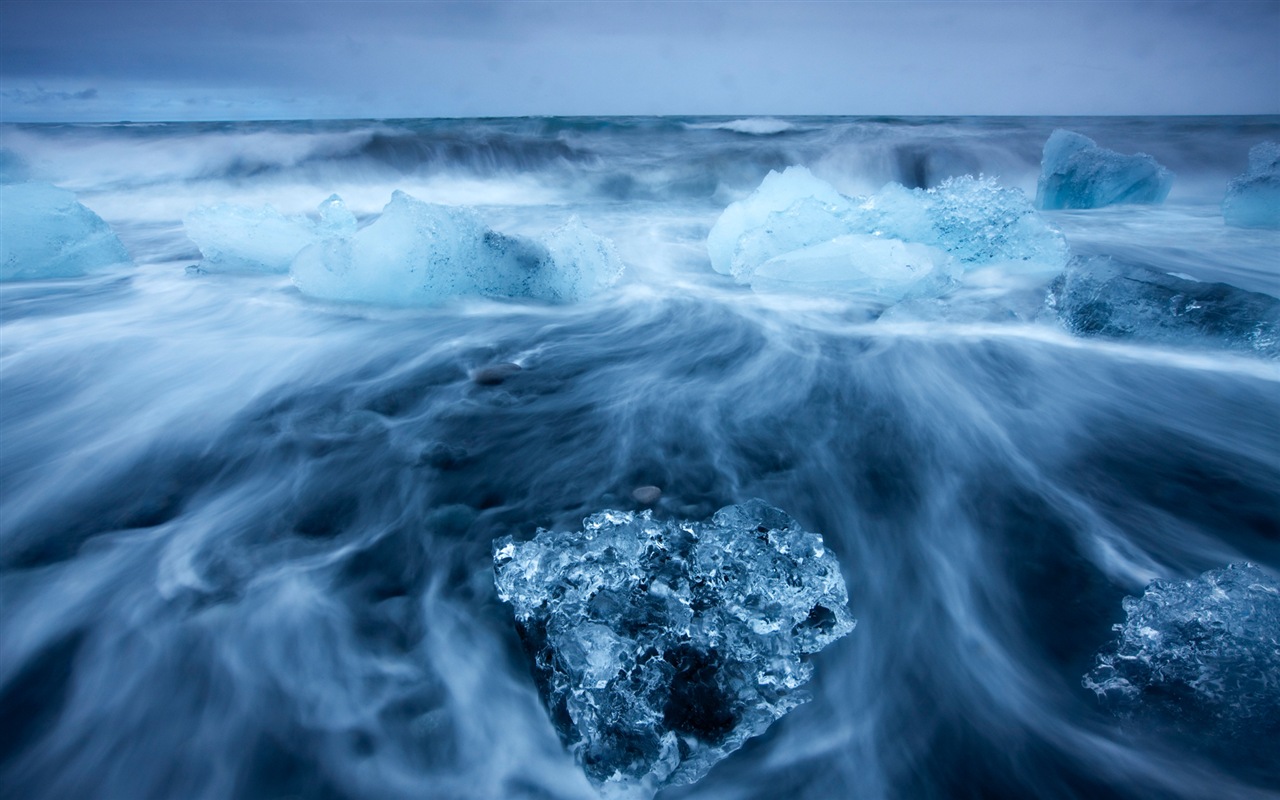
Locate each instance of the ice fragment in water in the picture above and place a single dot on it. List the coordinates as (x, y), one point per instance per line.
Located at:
(46, 233)
(1102, 297)
(1076, 173)
(1202, 657)
(242, 239)
(420, 253)
(797, 229)
(1253, 199)
(660, 647)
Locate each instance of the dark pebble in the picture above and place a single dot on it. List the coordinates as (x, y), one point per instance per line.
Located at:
(494, 374)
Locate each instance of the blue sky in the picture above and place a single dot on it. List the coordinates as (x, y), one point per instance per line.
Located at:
(62, 60)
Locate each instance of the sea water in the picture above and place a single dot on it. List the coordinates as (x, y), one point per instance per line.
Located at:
(246, 534)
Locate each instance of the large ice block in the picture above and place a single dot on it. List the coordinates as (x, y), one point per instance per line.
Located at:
(420, 253)
(1076, 173)
(660, 647)
(46, 233)
(1253, 199)
(1200, 656)
(796, 229)
(1106, 298)
(242, 239)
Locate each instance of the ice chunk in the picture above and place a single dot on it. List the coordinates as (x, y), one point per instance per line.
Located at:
(816, 212)
(241, 239)
(419, 253)
(889, 268)
(1076, 173)
(1102, 297)
(1253, 199)
(1203, 654)
(796, 229)
(46, 233)
(660, 647)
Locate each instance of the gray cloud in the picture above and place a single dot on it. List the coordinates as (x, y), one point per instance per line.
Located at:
(458, 59)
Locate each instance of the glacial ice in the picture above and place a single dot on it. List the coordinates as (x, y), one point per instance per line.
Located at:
(1076, 173)
(1203, 654)
(46, 233)
(660, 647)
(419, 253)
(796, 228)
(1253, 199)
(242, 239)
(1102, 297)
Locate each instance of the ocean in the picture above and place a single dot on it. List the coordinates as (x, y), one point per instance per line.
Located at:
(246, 535)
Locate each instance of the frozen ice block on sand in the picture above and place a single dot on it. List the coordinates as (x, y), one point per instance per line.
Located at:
(1105, 298)
(660, 647)
(1202, 658)
(420, 253)
(1076, 173)
(797, 229)
(46, 233)
(241, 239)
(1253, 199)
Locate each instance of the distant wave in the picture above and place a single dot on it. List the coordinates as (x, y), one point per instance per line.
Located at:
(758, 126)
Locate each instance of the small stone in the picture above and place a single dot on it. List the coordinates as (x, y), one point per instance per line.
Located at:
(646, 495)
(494, 374)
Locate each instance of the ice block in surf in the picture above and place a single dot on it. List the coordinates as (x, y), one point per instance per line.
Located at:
(796, 229)
(1253, 199)
(1106, 298)
(46, 233)
(1076, 173)
(1201, 658)
(660, 647)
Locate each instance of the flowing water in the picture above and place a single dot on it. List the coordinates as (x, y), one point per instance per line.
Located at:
(246, 545)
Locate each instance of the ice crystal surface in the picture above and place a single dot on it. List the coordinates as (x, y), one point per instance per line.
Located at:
(1203, 655)
(660, 647)
(1109, 299)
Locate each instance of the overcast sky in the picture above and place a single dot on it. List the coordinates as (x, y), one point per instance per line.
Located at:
(174, 60)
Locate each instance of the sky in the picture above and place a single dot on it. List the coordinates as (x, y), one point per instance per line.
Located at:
(66, 60)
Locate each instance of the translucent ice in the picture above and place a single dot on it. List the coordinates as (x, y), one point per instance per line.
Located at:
(1103, 297)
(1203, 654)
(797, 228)
(1253, 199)
(46, 233)
(1076, 173)
(660, 647)
(241, 239)
(789, 210)
(419, 253)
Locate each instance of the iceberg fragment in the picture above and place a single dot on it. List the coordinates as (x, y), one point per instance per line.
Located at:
(1102, 297)
(1076, 173)
(1202, 654)
(660, 647)
(46, 233)
(242, 239)
(898, 242)
(1253, 199)
(420, 253)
